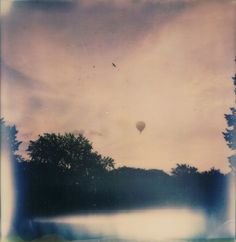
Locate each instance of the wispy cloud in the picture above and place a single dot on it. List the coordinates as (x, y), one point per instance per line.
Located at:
(17, 78)
(174, 70)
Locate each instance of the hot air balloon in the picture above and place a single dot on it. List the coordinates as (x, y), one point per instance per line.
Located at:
(140, 125)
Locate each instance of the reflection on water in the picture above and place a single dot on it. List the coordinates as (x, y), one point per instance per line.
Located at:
(167, 224)
(148, 224)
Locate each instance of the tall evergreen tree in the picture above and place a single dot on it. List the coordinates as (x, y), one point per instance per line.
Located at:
(8, 138)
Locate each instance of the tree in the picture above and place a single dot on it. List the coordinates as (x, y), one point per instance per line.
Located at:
(213, 172)
(68, 152)
(230, 134)
(66, 172)
(183, 170)
(9, 140)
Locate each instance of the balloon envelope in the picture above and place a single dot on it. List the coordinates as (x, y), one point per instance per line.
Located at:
(140, 125)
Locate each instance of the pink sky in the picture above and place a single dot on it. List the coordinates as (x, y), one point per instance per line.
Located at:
(174, 65)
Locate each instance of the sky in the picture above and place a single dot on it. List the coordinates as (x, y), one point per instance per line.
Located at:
(174, 62)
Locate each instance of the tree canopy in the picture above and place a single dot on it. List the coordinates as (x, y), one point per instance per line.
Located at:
(67, 152)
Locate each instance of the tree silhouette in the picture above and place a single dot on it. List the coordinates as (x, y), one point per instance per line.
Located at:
(67, 152)
(63, 174)
(230, 134)
(213, 172)
(183, 170)
(8, 136)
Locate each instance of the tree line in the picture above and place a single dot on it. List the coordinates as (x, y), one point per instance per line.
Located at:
(64, 174)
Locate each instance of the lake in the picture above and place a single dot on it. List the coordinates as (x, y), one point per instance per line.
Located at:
(150, 224)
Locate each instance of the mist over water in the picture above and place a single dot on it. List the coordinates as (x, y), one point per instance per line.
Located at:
(143, 224)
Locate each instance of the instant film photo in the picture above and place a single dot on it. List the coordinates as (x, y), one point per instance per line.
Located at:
(118, 120)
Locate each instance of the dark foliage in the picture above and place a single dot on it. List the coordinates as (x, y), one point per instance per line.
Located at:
(64, 174)
(230, 133)
(8, 136)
